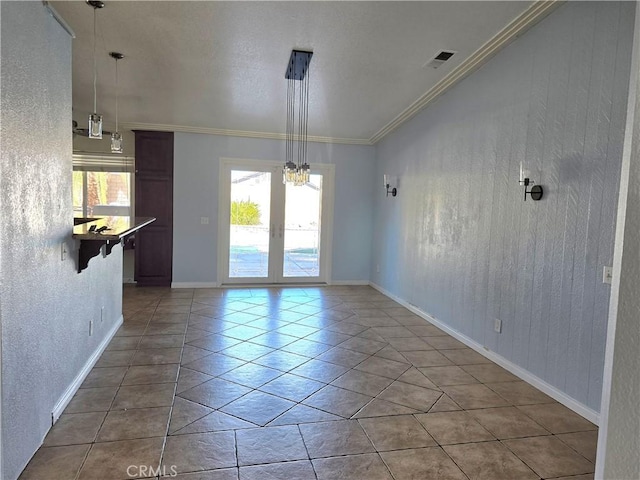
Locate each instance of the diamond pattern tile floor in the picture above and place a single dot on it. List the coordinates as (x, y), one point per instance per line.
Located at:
(303, 383)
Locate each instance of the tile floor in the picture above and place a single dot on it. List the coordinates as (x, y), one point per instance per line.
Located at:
(298, 384)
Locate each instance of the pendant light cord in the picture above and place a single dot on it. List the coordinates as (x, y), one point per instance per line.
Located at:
(300, 139)
(117, 89)
(306, 111)
(289, 133)
(95, 109)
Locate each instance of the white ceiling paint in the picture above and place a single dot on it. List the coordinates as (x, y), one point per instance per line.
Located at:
(219, 66)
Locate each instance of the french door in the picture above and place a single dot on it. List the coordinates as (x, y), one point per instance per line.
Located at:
(270, 232)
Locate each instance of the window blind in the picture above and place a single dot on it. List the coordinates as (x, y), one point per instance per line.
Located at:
(102, 163)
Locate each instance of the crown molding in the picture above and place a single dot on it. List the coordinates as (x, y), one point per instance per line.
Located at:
(536, 12)
(238, 133)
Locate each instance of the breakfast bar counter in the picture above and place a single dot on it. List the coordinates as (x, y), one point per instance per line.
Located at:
(94, 233)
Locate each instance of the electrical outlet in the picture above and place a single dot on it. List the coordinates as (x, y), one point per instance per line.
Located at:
(204, 220)
(497, 325)
(90, 327)
(607, 275)
(63, 251)
(378, 268)
(101, 314)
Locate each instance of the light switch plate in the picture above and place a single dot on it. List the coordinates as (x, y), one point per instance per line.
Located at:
(204, 220)
(497, 325)
(607, 275)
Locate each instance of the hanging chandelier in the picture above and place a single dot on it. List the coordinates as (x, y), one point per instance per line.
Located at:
(116, 137)
(95, 119)
(296, 169)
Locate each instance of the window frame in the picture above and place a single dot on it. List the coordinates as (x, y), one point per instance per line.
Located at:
(85, 163)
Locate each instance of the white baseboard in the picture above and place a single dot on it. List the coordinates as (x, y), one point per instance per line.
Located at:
(217, 285)
(195, 284)
(518, 371)
(258, 285)
(75, 385)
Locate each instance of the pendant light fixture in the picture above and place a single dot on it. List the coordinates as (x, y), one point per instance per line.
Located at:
(296, 169)
(95, 119)
(116, 136)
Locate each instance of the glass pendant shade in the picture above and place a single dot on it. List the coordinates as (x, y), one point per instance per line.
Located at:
(288, 172)
(95, 125)
(116, 142)
(296, 175)
(302, 176)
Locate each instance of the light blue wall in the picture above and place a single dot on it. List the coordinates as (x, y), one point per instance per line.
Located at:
(196, 170)
(459, 242)
(46, 304)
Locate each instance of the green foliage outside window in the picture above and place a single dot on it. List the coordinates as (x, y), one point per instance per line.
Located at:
(245, 213)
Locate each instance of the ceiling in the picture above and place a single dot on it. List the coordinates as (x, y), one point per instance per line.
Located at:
(221, 65)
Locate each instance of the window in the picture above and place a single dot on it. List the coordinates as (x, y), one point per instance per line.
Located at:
(102, 186)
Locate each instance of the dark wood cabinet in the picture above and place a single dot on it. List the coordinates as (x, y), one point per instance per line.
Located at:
(154, 198)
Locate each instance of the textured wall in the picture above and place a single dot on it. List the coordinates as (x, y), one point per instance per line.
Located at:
(459, 243)
(619, 436)
(196, 181)
(46, 305)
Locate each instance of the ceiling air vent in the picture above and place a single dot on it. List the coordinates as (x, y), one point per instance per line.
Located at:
(440, 58)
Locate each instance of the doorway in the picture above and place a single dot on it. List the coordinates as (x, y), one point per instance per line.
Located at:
(272, 233)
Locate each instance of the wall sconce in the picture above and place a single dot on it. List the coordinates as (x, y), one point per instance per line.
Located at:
(535, 192)
(387, 186)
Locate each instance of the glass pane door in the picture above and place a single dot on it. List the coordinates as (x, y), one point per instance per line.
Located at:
(272, 232)
(302, 222)
(249, 224)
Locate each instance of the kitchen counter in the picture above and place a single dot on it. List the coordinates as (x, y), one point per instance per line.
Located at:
(117, 229)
